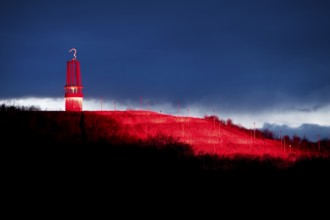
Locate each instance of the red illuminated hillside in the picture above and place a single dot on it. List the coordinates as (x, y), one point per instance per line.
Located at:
(143, 141)
(204, 135)
(207, 135)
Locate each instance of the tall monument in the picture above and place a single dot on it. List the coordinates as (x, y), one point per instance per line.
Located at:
(73, 87)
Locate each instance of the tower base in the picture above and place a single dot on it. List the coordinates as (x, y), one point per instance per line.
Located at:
(73, 103)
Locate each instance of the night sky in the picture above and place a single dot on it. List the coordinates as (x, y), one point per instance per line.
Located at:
(264, 61)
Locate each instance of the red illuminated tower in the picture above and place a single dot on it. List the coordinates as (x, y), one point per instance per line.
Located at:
(73, 87)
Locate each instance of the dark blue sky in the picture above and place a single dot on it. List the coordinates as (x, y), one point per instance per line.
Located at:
(236, 55)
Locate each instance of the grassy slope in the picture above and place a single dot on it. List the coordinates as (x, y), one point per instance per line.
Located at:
(136, 142)
(205, 136)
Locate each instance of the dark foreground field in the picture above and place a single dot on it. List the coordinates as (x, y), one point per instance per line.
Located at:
(60, 164)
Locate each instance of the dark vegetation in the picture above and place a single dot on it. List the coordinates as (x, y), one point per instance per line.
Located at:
(72, 143)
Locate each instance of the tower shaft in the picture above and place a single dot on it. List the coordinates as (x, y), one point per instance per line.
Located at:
(73, 87)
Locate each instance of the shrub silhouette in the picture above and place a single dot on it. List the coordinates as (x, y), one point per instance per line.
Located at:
(3, 107)
(268, 134)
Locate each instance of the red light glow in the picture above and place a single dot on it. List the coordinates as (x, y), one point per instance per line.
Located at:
(205, 136)
(73, 87)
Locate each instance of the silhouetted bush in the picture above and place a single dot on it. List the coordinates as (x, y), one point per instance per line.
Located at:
(325, 145)
(214, 118)
(4, 107)
(296, 141)
(268, 134)
(229, 122)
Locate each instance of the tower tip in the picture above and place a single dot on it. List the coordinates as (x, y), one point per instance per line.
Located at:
(74, 53)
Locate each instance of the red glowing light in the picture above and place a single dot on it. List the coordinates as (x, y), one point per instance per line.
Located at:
(204, 135)
(73, 87)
